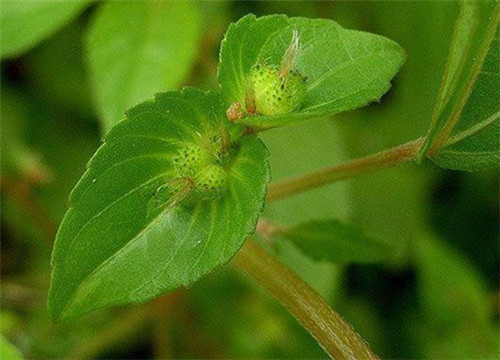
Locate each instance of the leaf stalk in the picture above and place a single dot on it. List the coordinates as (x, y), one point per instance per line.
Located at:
(381, 160)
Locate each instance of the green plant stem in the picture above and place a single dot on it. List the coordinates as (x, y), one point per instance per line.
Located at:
(334, 335)
(381, 160)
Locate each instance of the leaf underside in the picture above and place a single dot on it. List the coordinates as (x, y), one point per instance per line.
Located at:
(345, 69)
(110, 250)
(336, 242)
(474, 143)
(465, 88)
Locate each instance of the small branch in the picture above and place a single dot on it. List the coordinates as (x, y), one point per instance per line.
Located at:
(331, 174)
(334, 335)
(124, 327)
(163, 308)
(268, 229)
(20, 296)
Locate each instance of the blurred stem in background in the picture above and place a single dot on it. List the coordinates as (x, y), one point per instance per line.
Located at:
(334, 335)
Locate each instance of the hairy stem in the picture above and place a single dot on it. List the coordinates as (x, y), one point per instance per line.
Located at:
(334, 335)
(331, 174)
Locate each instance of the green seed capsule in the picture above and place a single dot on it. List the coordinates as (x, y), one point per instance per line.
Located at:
(190, 160)
(274, 94)
(211, 182)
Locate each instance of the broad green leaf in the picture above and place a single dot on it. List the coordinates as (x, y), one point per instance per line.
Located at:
(345, 69)
(24, 23)
(451, 294)
(138, 48)
(474, 31)
(474, 144)
(334, 241)
(113, 247)
(8, 351)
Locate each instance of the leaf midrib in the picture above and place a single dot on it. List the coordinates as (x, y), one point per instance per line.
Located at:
(471, 131)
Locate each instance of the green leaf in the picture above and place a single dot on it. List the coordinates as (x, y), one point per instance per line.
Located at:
(138, 48)
(474, 143)
(345, 69)
(474, 31)
(334, 241)
(8, 351)
(451, 294)
(113, 247)
(24, 23)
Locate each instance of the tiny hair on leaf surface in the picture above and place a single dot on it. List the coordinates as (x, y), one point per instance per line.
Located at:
(137, 226)
(342, 69)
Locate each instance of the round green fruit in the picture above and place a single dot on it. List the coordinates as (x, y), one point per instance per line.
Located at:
(190, 159)
(274, 94)
(211, 182)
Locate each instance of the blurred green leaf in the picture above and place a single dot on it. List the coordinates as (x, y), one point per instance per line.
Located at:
(138, 48)
(345, 69)
(44, 149)
(112, 248)
(8, 351)
(58, 146)
(363, 316)
(475, 144)
(18, 160)
(334, 241)
(239, 320)
(474, 31)
(455, 302)
(57, 70)
(24, 23)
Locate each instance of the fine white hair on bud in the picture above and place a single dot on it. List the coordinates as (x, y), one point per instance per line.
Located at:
(277, 89)
(290, 56)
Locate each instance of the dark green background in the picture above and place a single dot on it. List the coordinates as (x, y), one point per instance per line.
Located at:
(437, 298)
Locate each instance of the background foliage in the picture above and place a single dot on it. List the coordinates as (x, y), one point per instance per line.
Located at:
(437, 297)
